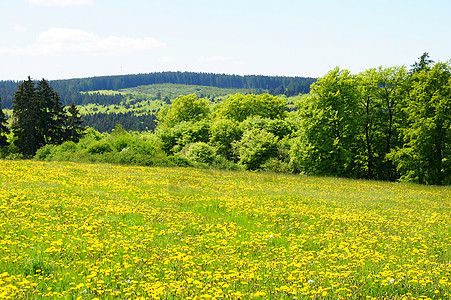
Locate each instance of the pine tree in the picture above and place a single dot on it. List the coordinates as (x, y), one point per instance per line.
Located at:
(38, 117)
(52, 116)
(74, 128)
(25, 115)
(3, 127)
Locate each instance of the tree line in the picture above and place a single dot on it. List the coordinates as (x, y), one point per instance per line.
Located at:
(383, 123)
(70, 89)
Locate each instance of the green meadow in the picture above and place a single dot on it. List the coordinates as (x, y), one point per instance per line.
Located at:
(87, 231)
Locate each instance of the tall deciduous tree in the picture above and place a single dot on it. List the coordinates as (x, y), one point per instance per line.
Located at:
(425, 156)
(4, 130)
(381, 93)
(330, 123)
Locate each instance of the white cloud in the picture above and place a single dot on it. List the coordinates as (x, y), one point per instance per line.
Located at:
(60, 3)
(70, 41)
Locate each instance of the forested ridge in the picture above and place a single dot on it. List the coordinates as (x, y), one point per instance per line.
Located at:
(69, 89)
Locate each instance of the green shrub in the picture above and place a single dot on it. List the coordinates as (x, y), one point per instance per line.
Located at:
(223, 133)
(99, 147)
(256, 147)
(275, 165)
(45, 152)
(222, 163)
(179, 161)
(201, 152)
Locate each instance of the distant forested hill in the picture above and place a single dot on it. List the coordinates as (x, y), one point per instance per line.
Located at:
(70, 89)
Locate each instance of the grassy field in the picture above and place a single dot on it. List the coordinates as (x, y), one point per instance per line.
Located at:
(80, 231)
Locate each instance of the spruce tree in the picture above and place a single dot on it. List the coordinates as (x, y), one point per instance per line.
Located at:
(52, 117)
(3, 127)
(74, 128)
(38, 117)
(25, 116)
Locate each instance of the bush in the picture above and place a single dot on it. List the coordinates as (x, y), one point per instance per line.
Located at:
(179, 161)
(99, 148)
(222, 163)
(175, 138)
(223, 133)
(45, 153)
(256, 147)
(275, 165)
(201, 152)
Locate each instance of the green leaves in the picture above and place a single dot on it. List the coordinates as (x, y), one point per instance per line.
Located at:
(184, 109)
(424, 157)
(239, 107)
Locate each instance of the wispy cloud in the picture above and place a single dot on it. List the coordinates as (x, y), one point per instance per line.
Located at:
(61, 3)
(70, 41)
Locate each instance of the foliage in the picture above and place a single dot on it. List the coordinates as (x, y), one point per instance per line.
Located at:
(223, 133)
(120, 147)
(175, 138)
(239, 107)
(255, 148)
(184, 109)
(425, 156)
(329, 118)
(200, 152)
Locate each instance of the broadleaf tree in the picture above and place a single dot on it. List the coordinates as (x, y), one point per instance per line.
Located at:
(330, 127)
(425, 155)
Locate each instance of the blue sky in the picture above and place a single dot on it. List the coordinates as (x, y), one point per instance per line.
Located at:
(57, 39)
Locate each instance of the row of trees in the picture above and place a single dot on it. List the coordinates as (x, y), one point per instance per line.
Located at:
(383, 123)
(379, 124)
(39, 118)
